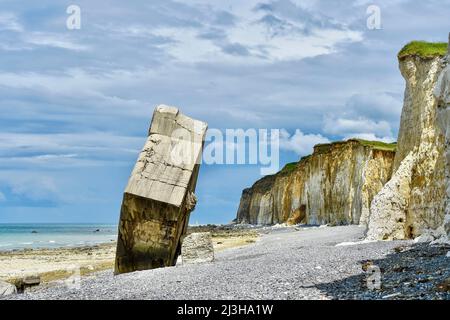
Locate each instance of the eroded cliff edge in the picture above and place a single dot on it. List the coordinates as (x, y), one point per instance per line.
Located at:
(442, 93)
(397, 195)
(413, 202)
(334, 185)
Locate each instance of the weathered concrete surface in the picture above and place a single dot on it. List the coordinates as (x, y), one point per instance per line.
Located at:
(413, 204)
(335, 185)
(197, 248)
(160, 192)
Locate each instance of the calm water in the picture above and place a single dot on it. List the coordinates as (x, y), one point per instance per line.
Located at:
(20, 236)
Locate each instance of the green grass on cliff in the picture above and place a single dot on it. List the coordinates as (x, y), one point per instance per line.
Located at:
(289, 167)
(423, 49)
(378, 145)
(325, 147)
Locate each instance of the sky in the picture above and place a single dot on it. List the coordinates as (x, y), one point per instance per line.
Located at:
(76, 104)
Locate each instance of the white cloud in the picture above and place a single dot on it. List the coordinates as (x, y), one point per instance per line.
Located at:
(53, 40)
(2, 197)
(258, 40)
(10, 22)
(30, 39)
(31, 186)
(346, 127)
(42, 189)
(375, 105)
(88, 141)
(15, 47)
(368, 115)
(77, 91)
(66, 150)
(300, 143)
(370, 137)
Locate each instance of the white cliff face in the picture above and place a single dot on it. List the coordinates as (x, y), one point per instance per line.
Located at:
(442, 93)
(334, 185)
(413, 202)
(390, 206)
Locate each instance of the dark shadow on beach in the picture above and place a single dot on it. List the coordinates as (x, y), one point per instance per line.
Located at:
(420, 271)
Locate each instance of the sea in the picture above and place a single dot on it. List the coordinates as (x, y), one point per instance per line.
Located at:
(54, 235)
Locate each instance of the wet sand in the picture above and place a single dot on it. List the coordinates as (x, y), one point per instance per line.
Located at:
(60, 263)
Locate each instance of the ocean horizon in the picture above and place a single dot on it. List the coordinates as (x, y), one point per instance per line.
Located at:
(15, 236)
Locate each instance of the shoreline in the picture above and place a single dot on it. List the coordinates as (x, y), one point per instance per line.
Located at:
(55, 263)
(59, 263)
(19, 236)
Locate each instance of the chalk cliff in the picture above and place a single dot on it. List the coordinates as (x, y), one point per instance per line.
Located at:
(397, 194)
(335, 185)
(442, 93)
(413, 202)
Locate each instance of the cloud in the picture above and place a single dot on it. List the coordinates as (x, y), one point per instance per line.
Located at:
(2, 197)
(53, 40)
(236, 49)
(66, 150)
(76, 99)
(31, 189)
(258, 33)
(43, 188)
(348, 127)
(300, 143)
(371, 116)
(376, 105)
(369, 136)
(280, 16)
(10, 22)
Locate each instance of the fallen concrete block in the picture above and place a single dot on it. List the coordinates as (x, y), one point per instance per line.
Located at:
(160, 193)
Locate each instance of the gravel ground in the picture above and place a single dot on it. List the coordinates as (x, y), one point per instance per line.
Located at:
(285, 263)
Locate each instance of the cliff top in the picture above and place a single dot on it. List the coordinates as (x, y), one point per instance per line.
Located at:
(378, 145)
(325, 147)
(290, 166)
(266, 182)
(423, 49)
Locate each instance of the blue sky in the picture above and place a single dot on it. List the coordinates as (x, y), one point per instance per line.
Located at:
(76, 104)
